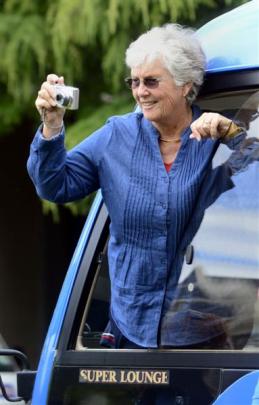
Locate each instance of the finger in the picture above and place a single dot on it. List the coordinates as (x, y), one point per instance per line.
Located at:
(214, 125)
(53, 78)
(204, 129)
(208, 116)
(200, 128)
(195, 134)
(205, 117)
(47, 93)
(49, 88)
(208, 125)
(61, 80)
(200, 124)
(46, 96)
(219, 125)
(42, 104)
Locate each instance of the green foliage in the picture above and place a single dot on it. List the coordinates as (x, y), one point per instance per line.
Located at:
(67, 36)
(81, 207)
(85, 41)
(20, 55)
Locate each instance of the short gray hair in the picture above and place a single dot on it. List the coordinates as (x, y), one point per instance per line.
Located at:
(177, 48)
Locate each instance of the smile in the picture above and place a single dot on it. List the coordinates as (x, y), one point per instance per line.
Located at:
(148, 104)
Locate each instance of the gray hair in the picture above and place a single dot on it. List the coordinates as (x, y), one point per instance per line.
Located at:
(179, 50)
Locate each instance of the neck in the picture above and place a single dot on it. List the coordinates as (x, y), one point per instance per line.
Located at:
(171, 131)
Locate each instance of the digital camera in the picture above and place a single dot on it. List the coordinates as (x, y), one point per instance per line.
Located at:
(67, 96)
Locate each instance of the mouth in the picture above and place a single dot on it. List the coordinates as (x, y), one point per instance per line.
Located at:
(148, 104)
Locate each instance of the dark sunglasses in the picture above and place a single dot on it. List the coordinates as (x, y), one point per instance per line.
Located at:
(149, 82)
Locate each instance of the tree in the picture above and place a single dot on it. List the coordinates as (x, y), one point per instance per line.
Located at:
(85, 41)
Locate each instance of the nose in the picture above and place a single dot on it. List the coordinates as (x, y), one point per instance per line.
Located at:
(142, 90)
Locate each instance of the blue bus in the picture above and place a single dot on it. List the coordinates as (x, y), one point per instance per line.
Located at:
(219, 282)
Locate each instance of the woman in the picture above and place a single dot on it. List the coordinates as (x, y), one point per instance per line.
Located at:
(150, 168)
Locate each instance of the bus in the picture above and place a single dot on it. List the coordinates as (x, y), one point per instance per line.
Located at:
(219, 283)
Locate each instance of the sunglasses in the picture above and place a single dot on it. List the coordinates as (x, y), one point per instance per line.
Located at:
(149, 82)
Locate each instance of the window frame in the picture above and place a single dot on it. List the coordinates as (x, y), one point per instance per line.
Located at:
(68, 356)
(232, 363)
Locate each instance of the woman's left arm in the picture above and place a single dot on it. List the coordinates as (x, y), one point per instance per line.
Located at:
(214, 126)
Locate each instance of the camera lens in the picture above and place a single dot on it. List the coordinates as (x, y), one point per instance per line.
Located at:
(63, 100)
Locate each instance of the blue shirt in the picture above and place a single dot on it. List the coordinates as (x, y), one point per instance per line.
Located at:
(154, 214)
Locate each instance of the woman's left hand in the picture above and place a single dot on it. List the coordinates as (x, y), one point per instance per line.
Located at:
(210, 125)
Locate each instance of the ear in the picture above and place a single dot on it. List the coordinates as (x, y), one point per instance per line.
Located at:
(186, 88)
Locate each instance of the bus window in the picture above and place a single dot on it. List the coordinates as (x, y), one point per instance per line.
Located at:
(96, 313)
(215, 301)
(216, 305)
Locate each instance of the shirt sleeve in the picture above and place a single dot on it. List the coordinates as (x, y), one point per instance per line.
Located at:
(235, 139)
(63, 176)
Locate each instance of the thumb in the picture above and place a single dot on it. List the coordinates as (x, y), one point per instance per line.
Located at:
(61, 80)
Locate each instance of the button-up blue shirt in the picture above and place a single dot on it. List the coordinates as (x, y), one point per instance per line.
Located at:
(151, 211)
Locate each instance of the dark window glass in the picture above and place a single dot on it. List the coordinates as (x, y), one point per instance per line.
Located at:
(215, 305)
(96, 314)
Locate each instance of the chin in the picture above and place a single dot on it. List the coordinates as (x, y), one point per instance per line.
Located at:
(149, 115)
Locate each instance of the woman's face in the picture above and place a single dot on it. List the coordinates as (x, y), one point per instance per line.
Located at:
(159, 104)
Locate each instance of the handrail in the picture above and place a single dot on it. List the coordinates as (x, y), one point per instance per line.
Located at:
(25, 365)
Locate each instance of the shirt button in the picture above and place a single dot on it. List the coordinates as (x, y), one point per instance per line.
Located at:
(163, 205)
(162, 260)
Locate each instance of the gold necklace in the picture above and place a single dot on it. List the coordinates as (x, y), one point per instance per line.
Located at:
(168, 140)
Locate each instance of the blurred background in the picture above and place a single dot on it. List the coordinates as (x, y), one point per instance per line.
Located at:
(85, 41)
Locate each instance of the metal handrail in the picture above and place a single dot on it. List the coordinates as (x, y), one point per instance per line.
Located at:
(25, 365)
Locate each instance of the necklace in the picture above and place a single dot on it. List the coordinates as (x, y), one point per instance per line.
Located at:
(168, 140)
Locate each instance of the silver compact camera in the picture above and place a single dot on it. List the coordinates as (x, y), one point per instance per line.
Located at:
(67, 96)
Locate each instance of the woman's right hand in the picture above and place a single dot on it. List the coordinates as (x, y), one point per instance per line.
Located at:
(46, 104)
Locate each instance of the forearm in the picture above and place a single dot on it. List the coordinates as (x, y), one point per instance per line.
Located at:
(60, 176)
(46, 160)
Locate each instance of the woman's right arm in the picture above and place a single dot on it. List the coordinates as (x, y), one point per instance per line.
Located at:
(58, 175)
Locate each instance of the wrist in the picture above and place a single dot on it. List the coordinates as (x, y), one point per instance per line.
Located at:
(49, 132)
(233, 130)
(55, 127)
(51, 124)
